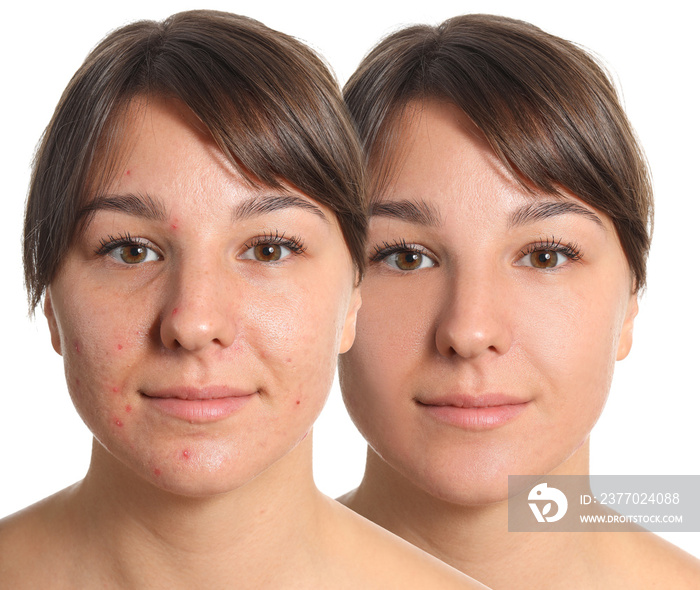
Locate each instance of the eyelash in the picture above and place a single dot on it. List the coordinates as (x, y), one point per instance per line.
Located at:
(388, 248)
(295, 243)
(571, 250)
(112, 243)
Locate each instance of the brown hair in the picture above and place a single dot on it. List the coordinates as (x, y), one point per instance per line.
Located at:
(548, 110)
(269, 102)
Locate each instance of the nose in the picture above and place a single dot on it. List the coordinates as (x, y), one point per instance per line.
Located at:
(475, 317)
(198, 309)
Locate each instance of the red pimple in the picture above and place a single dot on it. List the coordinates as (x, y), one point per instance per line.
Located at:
(128, 172)
(156, 471)
(186, 454)
(118, 423)
(128, 409)
(115, 389)
(175, 310)
(77, 347)
(298, 402)
(119, 347)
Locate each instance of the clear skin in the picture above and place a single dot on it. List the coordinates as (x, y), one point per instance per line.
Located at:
(190, 288)
(457, 303)
(478, 319)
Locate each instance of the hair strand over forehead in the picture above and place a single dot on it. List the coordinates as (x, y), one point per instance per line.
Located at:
(547, 109)
(268, 101)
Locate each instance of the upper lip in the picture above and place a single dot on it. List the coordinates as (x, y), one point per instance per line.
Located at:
(472, 401)
(199, 393)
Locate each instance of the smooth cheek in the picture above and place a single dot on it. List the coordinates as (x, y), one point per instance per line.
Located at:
(572, 345)
(394, 327)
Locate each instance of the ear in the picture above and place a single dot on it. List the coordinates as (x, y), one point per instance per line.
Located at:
(348, 335)
(625, 343)
(53, 324)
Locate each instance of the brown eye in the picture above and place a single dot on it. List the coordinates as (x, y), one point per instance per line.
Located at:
(409, 260)
(267, 252)
(544, 258)
(271, 251)
(132, 253)
(405, 259)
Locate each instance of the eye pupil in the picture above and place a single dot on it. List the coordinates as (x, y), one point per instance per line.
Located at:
(409, 260)
(268, 252)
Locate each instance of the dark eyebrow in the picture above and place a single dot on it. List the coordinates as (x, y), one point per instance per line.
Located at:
(539, 210)
(132, 204)
(418, 212)
(269, 203)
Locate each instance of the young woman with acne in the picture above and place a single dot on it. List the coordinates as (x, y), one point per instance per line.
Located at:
(509, 230)
(195, 226)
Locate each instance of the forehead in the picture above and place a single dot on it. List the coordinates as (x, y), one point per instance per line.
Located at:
(166, 161)
(442, 162)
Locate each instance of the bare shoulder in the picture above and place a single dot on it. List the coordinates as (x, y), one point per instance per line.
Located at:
(648, 561)
(377, 558)
(31, 546)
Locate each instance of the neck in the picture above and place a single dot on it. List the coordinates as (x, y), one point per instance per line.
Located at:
(144, 535)
(475, 539)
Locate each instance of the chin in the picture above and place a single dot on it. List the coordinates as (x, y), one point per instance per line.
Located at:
(478, 477)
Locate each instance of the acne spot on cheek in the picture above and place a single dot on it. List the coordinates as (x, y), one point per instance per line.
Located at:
(298, 402)
(119, 347)
(185, 454)
(288, 360)
(115, 389)
(77, 346)
(175, 310)
(175, 224)
(128, 409)
(119, 423)
(156, 471)
(128, 173)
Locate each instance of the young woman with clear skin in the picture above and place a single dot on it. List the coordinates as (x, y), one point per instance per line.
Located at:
(508, 238)
(195, 228)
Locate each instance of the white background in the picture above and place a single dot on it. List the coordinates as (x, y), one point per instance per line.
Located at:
(652, 421)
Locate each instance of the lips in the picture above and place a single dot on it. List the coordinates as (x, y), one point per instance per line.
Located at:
(198, 405)
(482, 412)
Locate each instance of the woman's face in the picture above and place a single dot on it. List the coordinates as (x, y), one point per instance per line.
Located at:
(199, 318)
(491, 320)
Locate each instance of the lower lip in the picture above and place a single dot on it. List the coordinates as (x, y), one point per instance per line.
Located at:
(199, 410)
(475, 418)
